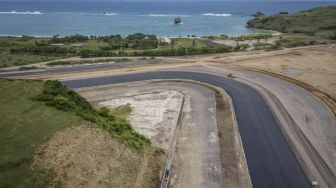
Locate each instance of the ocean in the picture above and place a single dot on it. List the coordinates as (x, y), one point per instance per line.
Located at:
(105, 18)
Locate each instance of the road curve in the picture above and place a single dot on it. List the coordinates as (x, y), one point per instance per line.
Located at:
(270, 160)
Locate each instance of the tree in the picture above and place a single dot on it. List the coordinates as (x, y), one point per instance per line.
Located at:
(172, 43)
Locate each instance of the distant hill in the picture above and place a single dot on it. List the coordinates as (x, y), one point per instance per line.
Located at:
(319, 21)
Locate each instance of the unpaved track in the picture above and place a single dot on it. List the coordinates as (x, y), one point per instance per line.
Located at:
(270, 159)
(197, 161)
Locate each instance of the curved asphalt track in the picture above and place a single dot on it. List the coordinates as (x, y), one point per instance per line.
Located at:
(271, 162)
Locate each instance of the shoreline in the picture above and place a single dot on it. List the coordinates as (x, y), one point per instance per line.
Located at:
(257, 31)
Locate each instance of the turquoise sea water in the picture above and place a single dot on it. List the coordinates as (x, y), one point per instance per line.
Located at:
(104, 18)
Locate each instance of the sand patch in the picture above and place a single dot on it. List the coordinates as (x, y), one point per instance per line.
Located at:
(153, 115)
(87, 156)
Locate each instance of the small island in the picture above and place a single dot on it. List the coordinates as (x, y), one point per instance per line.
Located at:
(178, 20)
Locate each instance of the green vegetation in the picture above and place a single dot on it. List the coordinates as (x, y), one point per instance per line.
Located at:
(32, 111)
(333, 37)
(8, 60)
(122, 111)
(8, 56)
(186, 43)
(24, 124)
(294, 40)
(28, 68)
(181, 51)
(319, 22)
(68, 39)
(75, 62)
(15, 51)
(256, 36)
(28, 50)
(244, 46)
(137, 41)
(213, 37)
(57, 95)
(265, 46)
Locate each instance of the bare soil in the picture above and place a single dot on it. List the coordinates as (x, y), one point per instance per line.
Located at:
(314, 66)
(226, 138)
(197, 161)
(153, 115)
(87, 156)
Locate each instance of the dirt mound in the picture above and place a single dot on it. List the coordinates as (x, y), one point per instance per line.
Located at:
(87, 156)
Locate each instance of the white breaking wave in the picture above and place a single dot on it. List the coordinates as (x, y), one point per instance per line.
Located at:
(173, 23)
(24, 12)
(87, 14)
(164, 15)
(216, 14)
(110, 14)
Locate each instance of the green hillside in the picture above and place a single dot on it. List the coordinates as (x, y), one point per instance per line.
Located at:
(32, 111)
(319, 21)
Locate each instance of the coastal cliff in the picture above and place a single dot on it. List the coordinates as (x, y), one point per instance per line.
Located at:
(318, 21)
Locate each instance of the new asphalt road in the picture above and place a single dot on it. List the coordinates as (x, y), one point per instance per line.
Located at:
(271, 162)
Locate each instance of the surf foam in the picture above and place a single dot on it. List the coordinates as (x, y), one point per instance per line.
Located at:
(217, 14)
(22, 12)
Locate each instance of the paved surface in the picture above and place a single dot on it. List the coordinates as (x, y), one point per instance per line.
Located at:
(80, 67)
(308, 122)
(270, 160)
(196, 162)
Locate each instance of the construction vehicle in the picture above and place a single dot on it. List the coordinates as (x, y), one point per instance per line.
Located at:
(231, 75)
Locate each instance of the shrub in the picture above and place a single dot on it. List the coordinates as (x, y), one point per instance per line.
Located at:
(312, 42)
(59, 63)
(333, 37)
(104, 112)
(55, 94)
(244, 46)
(44, 50)
(27, 68)
(69, 39)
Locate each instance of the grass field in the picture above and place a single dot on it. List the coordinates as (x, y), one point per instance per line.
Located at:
(9, 60)
(24, 124)
(76, 62)
(184, 42)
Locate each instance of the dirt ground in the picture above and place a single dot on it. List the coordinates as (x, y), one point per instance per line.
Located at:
(314, 66)
(87, 156)
(153, 115)
(197, 158)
